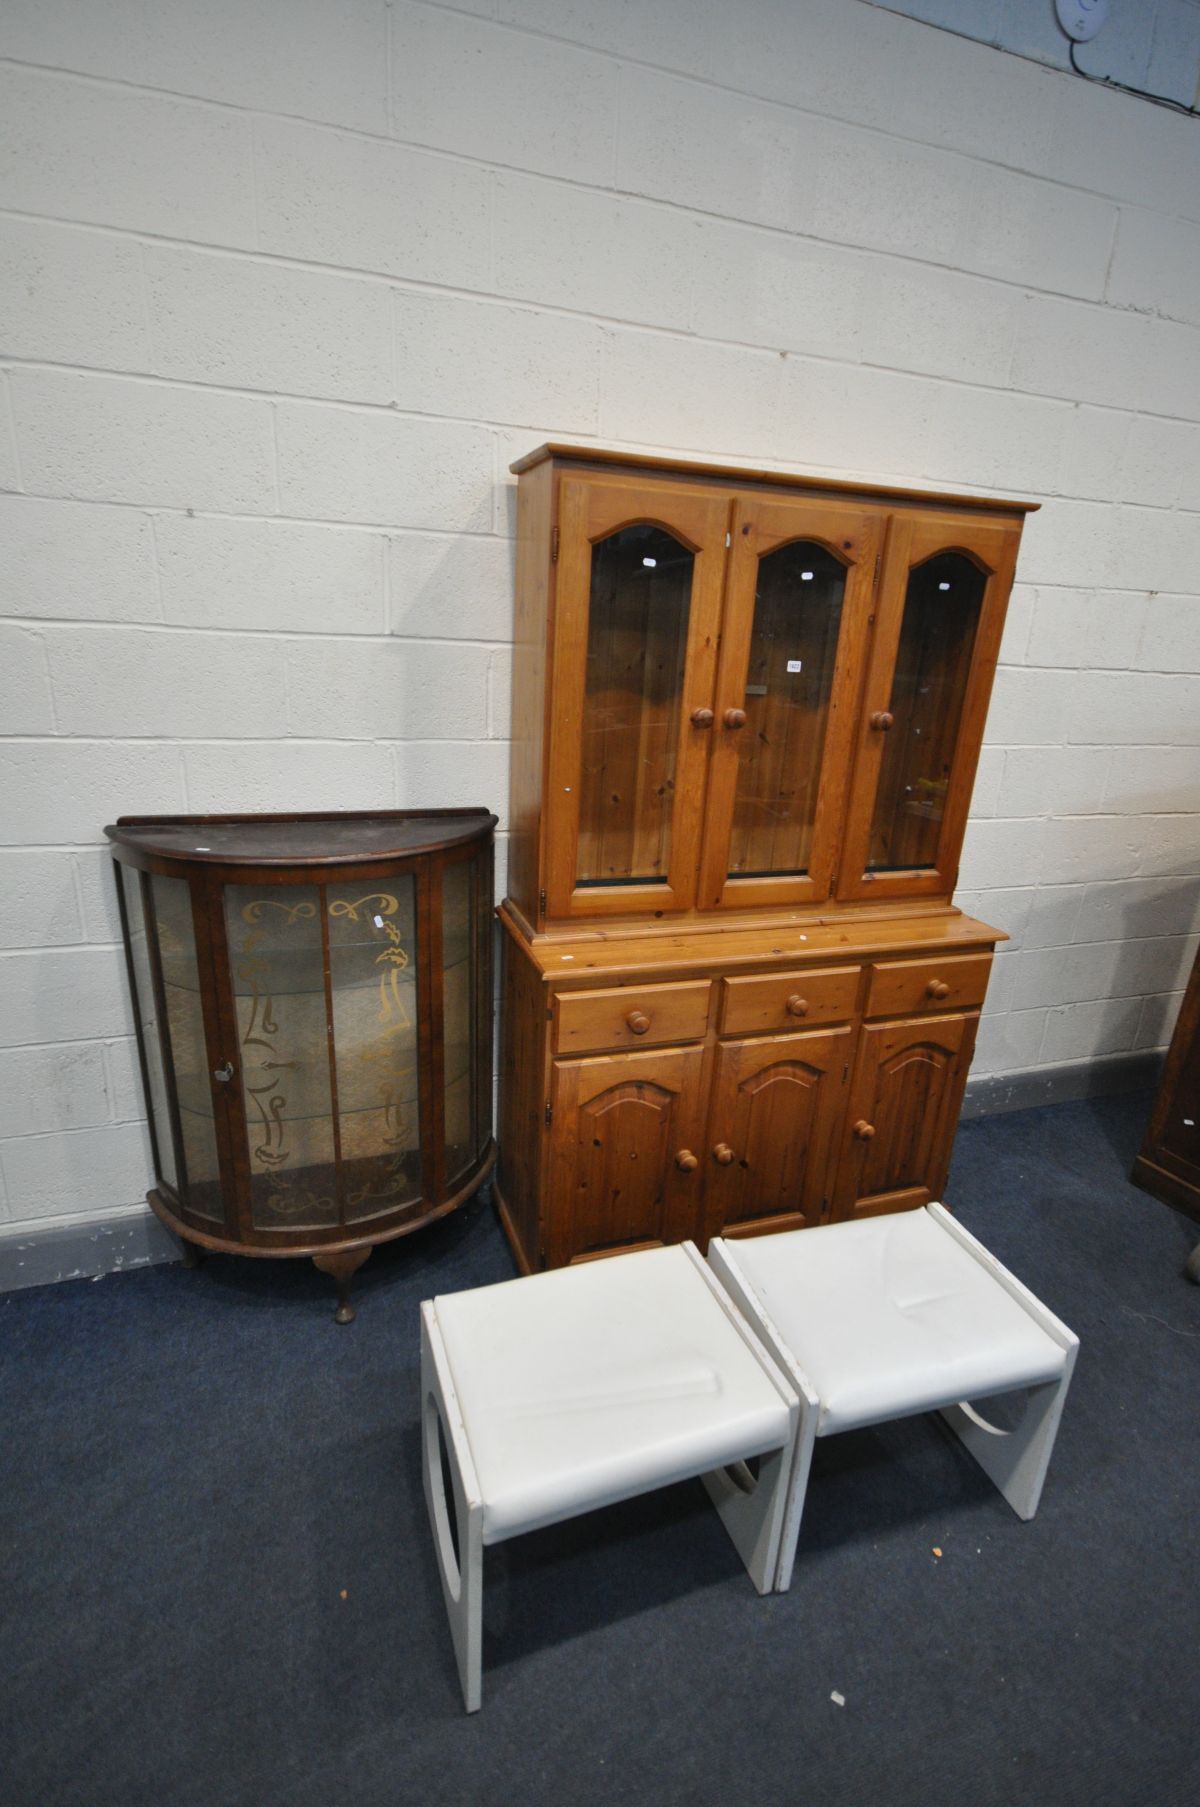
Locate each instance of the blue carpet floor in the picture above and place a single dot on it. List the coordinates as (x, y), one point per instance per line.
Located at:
(218, 1590)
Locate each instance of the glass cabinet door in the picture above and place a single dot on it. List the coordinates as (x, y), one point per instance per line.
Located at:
(795, 626)
(636, 629)
(325, 996)
(941, 613)
(172, 923)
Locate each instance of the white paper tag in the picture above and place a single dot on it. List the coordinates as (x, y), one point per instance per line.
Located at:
(795, 664)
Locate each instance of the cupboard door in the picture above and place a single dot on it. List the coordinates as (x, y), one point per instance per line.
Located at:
(625, 1152)
(904, 1102)
(793, 643)
(774, 1126)
(940, 617)
(636, 624)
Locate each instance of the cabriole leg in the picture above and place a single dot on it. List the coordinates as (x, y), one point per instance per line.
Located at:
(342, 1269)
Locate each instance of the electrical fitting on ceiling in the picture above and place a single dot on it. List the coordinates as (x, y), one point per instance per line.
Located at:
(1081, 19)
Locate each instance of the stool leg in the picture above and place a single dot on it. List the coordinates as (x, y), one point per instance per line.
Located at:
(723, 1264)
(1015, 1460)
(806, 1436)
(461, 1573)
(752, 1511)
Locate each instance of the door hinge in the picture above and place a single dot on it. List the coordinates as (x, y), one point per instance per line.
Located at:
(549, 1113)
(542, 902)
(845, 1072)
(729, 539)
(877, 559)
(554, 545)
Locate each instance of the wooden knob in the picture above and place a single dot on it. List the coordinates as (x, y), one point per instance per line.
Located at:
(796, 1005)
(702, 718)
(722, 1154)
(864, 1130)
(938, 988)
(735, 718)
(882, 720)
(638, 1021)
(686, 1161)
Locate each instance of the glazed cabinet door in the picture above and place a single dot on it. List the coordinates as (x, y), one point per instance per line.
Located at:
(937, 638)
(793, 643)
(636, 625)
(625, 1166)
(774, 1127)
(904, 1102)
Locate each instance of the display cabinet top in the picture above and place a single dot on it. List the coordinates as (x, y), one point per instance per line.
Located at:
(351, 837)
(736, 473)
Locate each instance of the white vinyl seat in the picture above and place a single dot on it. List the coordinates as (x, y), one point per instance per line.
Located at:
(567, 1391)
(889, 1316)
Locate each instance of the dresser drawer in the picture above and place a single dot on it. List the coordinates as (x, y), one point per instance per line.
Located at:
(768, 1001)
(630, 1016)
(902, 987)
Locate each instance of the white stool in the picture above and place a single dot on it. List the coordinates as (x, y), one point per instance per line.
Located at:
(894, 1315)
(570, 1390)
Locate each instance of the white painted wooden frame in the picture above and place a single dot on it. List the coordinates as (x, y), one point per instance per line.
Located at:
(724, 1265)
(752, 1508)
(753, 1511)
(1015, 1461)
(461, 1576)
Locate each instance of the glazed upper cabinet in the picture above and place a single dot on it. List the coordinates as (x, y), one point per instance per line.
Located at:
(743, 695)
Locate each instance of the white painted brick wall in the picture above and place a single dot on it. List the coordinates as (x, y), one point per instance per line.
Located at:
(283, 290)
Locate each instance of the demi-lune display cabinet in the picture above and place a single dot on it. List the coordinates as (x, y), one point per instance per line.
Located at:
(748, 708)
(313, 1002)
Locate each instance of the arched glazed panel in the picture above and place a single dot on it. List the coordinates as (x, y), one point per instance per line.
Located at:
(798, 601)
(640, 595)
(937, 640)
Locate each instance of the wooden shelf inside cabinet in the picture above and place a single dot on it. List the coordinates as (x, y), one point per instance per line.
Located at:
(748, 707)
(312, 995)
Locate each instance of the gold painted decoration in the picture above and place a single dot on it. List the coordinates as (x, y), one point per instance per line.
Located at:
(254, 971)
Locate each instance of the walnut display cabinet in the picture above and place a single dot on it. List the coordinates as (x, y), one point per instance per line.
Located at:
(747, 707)
(313, 1004)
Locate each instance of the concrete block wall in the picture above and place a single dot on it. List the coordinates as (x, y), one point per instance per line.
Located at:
(283, 290)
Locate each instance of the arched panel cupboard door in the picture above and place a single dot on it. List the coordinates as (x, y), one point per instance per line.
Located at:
(636, 628)
(773, 1131)
(797, 614)
(904, 1099)
(937, 639)
(625, 1167)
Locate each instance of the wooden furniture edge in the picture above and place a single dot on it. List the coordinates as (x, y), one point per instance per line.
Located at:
(600, 457)
(1165, 1186)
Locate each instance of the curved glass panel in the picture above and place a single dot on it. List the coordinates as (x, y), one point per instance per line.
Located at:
(793, 649)
(278, 973)
(176, 938)
(147, 1017)
(937, 639)
(373, 988)
(637, 641)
